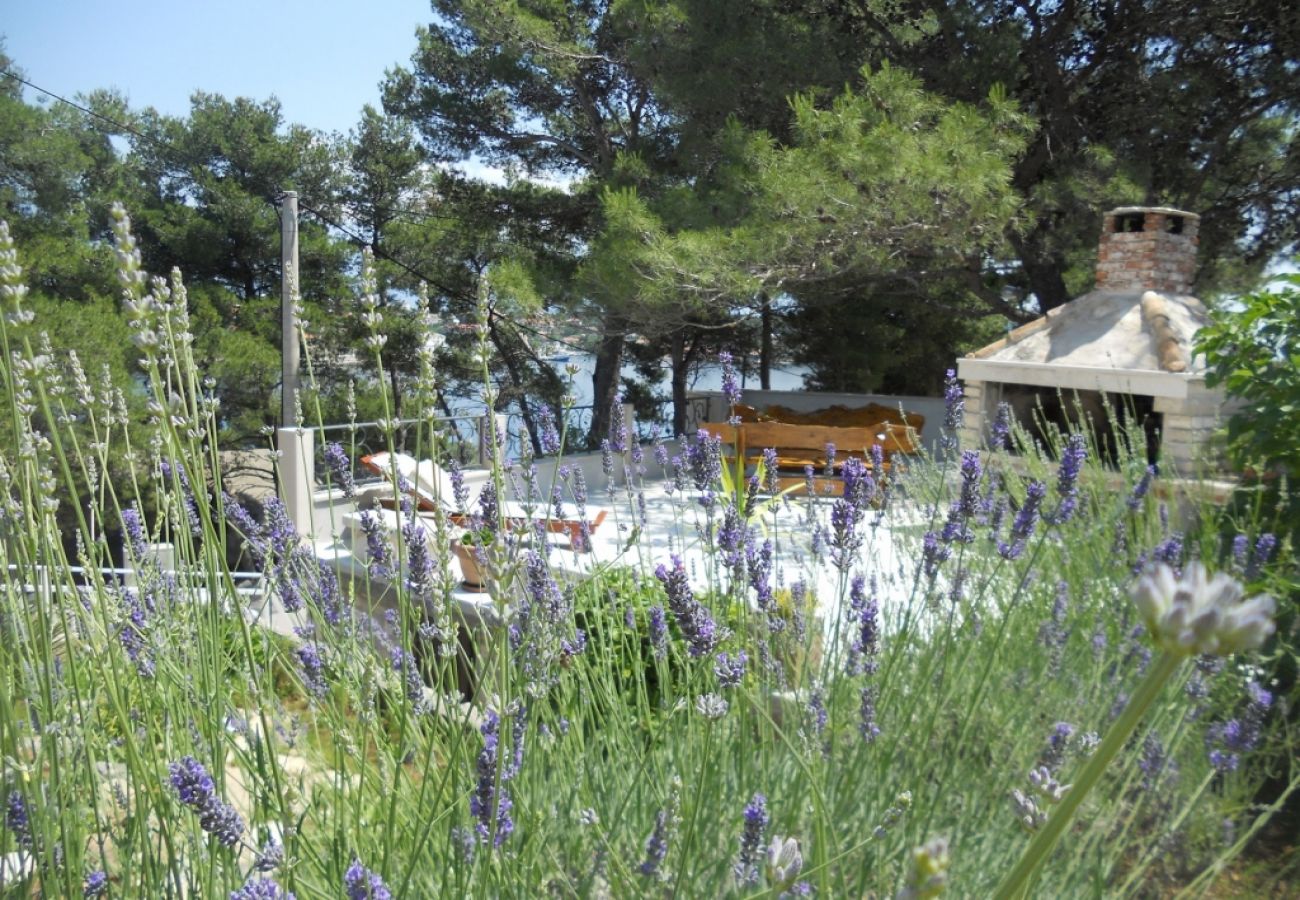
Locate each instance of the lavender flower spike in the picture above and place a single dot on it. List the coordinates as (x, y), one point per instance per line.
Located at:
(701, 632)
(746, 868)
(17, 820)
(730, 384)
(954, 411)
(1067, 483)
(363, 884)
(96, 884)
(1022, 529)
(263, 889)
(195, 788)
(1197, 614)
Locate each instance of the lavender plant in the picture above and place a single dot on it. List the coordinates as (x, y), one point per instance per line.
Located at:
(771, 694)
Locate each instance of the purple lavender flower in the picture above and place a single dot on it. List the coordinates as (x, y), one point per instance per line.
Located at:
(1264, 548)
(963, 509)
(607, 460)
(990, 496)
(419, 580)
(817, 541)
(376, 545)
(1141, 488)
(933, 554)
(557, 503)
(459, 490)
(133, 525)
(771, 476)
(867, 714)
(1099, 643)
(1026, 520)
(730, 670)
(849, 510)
(1058, 743)
(312, 668)
(661, 455)
(133, 634)
(697, 626)
(658, 631)
(17, 819)
(488, 805)
(817, 711)
(1067, 477)
(656, 845)
(730, 382)
(270, 857)
(404, 663)
(1155, 763)
(1240, 552)
(865, 610)
(575, 647)
(518, 731)
(363, 884)
(95, 884)
(1226, 741)
(704, 459)
(268, 889)
(541, 614)
(195, 788)
(489, 507)
(328, 593)
(336, 458)
(289, 558)
(953, 412)
(254, 539)
(1000, 433)
(548, 436)
(830, 458)
(1170, 552)
(170, 470)
(1053, 633)
(618, 436)
(732, 540)
(758, 565)
(877, 458)
(747, 868)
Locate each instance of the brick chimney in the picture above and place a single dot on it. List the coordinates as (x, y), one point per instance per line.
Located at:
(1147, 248)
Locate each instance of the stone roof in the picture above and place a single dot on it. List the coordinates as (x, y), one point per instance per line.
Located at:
(1147, 332)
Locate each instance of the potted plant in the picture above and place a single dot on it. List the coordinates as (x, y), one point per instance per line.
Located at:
(472, 548)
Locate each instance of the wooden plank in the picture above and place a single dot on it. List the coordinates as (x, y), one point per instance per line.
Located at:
(724, 430)
(761, 435)
(892, 438)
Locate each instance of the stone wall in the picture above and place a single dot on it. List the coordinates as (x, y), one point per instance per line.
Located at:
(1187, 425)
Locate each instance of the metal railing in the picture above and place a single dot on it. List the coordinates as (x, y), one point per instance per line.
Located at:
(464, 436)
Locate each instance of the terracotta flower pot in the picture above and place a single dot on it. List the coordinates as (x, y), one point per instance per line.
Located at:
(473, 573)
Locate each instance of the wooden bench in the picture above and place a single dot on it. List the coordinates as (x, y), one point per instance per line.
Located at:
(799, 446)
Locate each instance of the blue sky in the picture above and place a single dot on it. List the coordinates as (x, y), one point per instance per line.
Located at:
(323, 60)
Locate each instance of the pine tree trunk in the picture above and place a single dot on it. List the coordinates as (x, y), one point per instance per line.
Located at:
(677, 352)
(609, 363)
(765, 347)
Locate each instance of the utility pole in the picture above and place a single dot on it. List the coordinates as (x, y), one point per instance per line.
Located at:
(296, 445)
(288, 313)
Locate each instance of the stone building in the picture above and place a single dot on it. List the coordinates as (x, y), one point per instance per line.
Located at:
(1128, 342)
